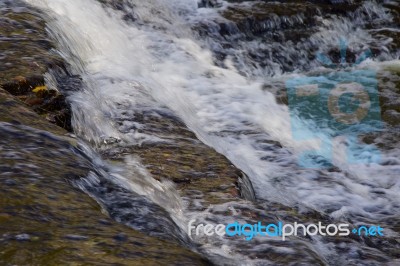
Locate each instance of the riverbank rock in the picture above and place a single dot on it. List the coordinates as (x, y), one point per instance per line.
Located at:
(44, 218)
(26, 55)
(46, 221)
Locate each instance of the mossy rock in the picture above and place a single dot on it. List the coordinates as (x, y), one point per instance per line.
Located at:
(27, 54)
(25, 47)
(15, 112)
(181, 158)
(44, 219)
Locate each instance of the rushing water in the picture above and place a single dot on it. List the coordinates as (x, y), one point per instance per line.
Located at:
(222, 75)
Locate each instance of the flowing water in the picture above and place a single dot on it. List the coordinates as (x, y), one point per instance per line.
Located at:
(223, 69)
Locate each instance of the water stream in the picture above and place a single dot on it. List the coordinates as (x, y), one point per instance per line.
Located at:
(223, 75)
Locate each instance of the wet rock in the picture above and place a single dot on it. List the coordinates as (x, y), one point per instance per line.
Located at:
(389, 90)
(29, 56)
(24, 44)
(209, 3)
(68, 227)
(40, 199)
(21, 85)
(131, 209)
(49, 103)
(14, 111)
(283, 36)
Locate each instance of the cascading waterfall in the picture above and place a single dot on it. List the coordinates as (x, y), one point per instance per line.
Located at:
(154, 60)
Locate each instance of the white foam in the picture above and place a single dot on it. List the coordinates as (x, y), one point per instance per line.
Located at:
(159, 63)
(132, 64)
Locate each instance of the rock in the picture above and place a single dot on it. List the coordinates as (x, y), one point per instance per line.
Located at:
(14, 111)
(39, 164)
(209, 3)
(69, 228)
(30, 55)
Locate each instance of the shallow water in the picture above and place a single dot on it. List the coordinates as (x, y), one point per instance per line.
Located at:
(223, 73)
